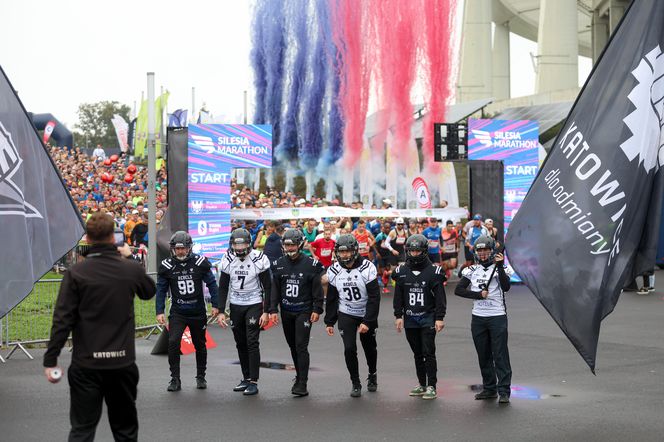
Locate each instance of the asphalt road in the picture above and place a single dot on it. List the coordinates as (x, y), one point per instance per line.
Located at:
(554, 397)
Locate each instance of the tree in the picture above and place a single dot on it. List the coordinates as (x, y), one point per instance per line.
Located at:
(95, 127)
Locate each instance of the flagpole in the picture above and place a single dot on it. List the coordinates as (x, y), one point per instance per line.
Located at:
(152, 175)
(193, 105)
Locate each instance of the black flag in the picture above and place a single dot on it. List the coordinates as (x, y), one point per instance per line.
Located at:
(590, 222)
(38, 219)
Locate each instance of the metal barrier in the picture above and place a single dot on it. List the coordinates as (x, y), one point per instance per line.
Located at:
(29, 323)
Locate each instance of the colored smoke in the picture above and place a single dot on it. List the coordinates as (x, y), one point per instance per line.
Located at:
(312, 124)
(274, 44)
(296, 13)
(349, 32)
(439, 16)
(258, 60)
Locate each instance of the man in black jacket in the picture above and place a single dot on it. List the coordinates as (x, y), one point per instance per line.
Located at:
(353, 299)
(419, 307)
(96, 304)
(486, 283)
(296, 287)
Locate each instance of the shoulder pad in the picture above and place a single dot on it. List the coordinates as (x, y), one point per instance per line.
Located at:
(167, 263)
(468, 271)
(200, 260)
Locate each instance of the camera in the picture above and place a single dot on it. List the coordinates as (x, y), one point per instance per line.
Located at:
(118, 238)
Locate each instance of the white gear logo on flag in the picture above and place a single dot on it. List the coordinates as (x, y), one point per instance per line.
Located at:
(646, 120)
(12, 201)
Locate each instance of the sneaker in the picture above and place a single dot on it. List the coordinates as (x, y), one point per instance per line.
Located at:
(357, 390)
(372, 382)
(642, 291)
(386, 290)
(417, 391)
(485, 394)
(251, 389)
(504, 399)
(201, 383)
(651, 289)
(430, 393)
(300, 389)
(174, 385)
(242, 385)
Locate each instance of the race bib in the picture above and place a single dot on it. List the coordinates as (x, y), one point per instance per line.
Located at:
(401, 240)
(449, 248)
(326, 252)
(364, 246)
(433, 244)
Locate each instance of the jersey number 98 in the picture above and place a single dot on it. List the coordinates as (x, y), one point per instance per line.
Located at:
(186, 287)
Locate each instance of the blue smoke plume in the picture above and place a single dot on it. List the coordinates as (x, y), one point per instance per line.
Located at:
(274, 44)
(287, 148)
(312, 137)
(336, 123)
(258, 60)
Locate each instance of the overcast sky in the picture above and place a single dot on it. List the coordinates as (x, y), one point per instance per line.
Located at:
(60, 54)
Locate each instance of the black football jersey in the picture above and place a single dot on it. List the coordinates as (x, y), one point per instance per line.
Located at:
(296, 284)
(185, 281)
(419, 295)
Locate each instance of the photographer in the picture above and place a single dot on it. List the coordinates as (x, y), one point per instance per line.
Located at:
(96, 304)
(486, 282)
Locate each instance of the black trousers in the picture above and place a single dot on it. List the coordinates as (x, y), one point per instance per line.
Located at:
(423, 343)
(348, 330)
(297, 329)
(89, 388)
(244, 322)
(490, 338)
(197, 326)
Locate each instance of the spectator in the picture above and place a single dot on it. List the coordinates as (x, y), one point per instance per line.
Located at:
(98, 153)
(139, 235)
(272, 247)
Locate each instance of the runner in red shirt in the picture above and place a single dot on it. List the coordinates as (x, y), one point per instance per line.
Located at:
(323, 248)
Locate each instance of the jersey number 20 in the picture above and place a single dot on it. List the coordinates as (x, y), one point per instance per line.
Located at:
(291, 290)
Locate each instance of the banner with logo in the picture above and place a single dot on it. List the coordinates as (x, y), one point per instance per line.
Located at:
(590, 222)
(515, 143)
(48, 130)
(40, 222)
(453, 213)
(214, 149)
(422, 193)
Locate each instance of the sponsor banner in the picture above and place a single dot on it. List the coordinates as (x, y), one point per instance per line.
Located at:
(422, 193)
(453, 213)
(239, 145)
(48, 130)
(213, 150)
(515, 143)
(121, 131)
